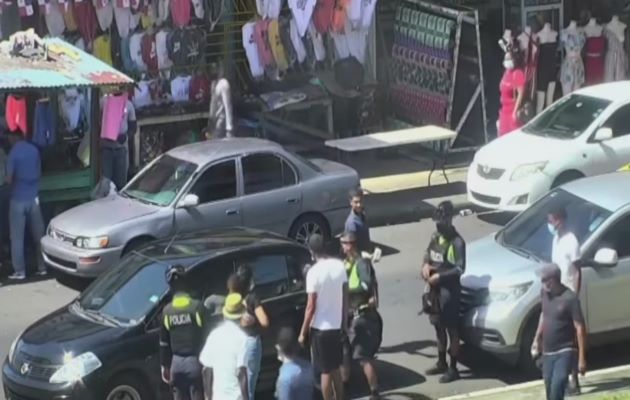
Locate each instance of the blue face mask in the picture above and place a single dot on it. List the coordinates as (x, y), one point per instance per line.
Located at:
(552, 229)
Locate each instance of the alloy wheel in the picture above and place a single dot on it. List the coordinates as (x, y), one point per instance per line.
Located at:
(307, 230)
(124, 392)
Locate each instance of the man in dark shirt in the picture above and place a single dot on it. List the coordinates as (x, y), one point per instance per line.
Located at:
(561, 332)
(356, 222)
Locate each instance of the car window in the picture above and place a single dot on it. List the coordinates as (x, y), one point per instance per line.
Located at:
(528, 232)
(271, 274)
(264, 172)
(617, 237)
(218, 182)
(210, 278)
(619, 122)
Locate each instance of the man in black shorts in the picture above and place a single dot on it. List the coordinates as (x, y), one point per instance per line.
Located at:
(324, 317)
(366, 329)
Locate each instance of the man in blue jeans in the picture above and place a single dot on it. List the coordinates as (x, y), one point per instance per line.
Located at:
(23, 173)
(561, 331)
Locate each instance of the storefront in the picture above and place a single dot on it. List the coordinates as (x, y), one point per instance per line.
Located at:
(50, 91)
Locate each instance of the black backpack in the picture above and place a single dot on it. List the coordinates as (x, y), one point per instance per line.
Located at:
(349, 73)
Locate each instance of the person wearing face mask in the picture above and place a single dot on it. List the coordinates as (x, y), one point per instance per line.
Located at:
(512, 93)
(444, 263)
(295, 378)
(565, 253)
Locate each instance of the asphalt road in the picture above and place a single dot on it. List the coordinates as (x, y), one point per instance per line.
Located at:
(408, 346)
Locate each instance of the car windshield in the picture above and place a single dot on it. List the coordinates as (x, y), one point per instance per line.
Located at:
(568, 118)
(528, 234)
(129, 291)
(161, 182)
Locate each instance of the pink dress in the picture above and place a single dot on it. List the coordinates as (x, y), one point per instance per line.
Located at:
(512, 81)
(113, 111)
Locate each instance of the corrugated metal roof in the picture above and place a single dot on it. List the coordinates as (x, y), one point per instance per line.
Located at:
(67, 66)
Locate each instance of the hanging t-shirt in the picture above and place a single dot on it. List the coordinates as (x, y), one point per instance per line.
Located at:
(357, 43)
(180, 12)
(194, 43)
(323, 15)
(149, 51)
(142, 94)
(125, 54)
(354, 13)
(54, 19)
(176, 42)
(15, 114)
(135, 50)
(180, 88)
(113, 113)
(302, 11)
(318, 42)
(367, 12)
(45, 126)
(86, 20)
(26, 8)
(269, 8)
(68, 18)
(71, 108)
(198, 9)
(164, 61)
(261, 36)
(296, 39)
(124, 20)
(285, 37)
(148, 16)
(340, 15)
(104, 13)
(277, 48)
(199, 89)
(162, 11)
(103, 49)
(251, 50)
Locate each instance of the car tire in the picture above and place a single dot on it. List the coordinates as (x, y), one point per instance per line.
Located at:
(307, 225)
(566, 177)
(526, 363)
(128, 386)
(135, 244)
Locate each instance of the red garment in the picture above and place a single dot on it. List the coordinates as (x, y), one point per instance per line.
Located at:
(85, 16)
(180, 12)
(512, 81)
(15, 113)
(199, 89)
(339, 16)
(149, 51)
(323, 15)
(595, 50)
(261, 37)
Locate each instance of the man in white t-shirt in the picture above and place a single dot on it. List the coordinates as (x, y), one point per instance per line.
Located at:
(324, 322)
(224, 355)
(565, 253)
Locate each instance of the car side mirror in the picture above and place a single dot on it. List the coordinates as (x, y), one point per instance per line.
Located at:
(603, 134)
(189, 201)
(606, 257)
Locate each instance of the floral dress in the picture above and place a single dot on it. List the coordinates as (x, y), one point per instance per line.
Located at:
(572, 74)
(616, 62)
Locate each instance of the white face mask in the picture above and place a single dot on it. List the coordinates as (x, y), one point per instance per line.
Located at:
(508, 64)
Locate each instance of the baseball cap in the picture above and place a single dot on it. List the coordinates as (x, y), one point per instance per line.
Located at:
(233, 307)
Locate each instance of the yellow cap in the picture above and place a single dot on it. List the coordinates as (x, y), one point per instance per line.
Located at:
(233, 308)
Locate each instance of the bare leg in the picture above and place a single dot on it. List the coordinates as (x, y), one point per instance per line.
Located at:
(370, 375)
(326, 381)
(551, 91)
(337, 385)
(540, 102)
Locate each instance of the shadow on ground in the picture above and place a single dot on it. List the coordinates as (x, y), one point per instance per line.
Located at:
(413, 348)
(392, 377)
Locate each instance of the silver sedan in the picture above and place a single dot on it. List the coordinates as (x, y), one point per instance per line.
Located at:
(231, 182)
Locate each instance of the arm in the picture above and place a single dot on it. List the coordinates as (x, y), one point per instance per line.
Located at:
(575, 264)
(208, 378)
(580, 330)
(261, 316)
(166, 354)
(519, 84)
(226, 98)
(242, 380)
(538, 336)
(458, 262)
(309, 313)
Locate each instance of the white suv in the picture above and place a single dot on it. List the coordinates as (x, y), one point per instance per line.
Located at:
(501, 289)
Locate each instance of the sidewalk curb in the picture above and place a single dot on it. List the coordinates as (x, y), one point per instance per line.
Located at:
(529, 385)
(413, 180)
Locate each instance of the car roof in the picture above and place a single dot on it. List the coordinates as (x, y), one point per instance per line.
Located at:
(609, 191)
(191, 248)
(202, 152)
(613, 91)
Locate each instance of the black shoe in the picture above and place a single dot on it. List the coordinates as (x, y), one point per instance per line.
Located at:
(449, 376)
(437, 369)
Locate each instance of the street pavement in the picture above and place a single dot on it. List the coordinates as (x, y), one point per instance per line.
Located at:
(408, 346)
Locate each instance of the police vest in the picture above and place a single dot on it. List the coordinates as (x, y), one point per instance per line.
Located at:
(441, 252)
(359, 294)
(183, 321)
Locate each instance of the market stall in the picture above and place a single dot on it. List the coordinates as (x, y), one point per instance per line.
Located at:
(55, 88)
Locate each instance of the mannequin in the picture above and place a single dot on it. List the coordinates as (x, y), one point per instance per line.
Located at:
(595, 49)
(547, 67)
(572, 69)
(507, 41)
(220, 122)
(512, 93)
(616, 61)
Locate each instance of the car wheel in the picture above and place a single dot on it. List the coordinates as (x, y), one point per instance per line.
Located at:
(128, 388)
(566, 177)
(135, 244)
(308, 225)
(526, 363)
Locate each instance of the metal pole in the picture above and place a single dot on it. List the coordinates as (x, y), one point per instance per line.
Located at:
(484, 115)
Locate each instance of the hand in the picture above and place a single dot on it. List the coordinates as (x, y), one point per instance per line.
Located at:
(166, 375)
(426, 271)
(582, 366)
(248, 320)
(302, 340)
(434, 279)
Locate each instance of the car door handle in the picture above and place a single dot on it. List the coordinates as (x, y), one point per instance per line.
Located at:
(231, 212)
(292, 201)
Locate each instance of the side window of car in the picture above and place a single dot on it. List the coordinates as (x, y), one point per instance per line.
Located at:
(297, 277)
(265, 171)
(618, 237)
(619, 122)
(218, 182)
(271, 274)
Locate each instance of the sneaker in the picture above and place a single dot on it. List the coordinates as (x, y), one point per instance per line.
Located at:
(41, 273)
(437, 369)
(451, 375)
(17, 277)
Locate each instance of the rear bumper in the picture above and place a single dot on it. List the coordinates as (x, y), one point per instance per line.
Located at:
(78, 262)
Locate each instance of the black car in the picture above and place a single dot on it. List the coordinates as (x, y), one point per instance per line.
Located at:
(104, 345)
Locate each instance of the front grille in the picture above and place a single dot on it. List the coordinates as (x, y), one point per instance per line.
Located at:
(487, 172)
(63, 263)
(486, 199)
(34, 367)
(14, 396)
(471, 298)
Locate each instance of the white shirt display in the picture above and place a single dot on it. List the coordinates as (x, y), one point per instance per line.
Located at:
(368, 8)
(326, 278)
(163, 11)
(251, 50)
(180, 88)
(318, 43)
(297, 42)
(198, 8)
(269, 8)
(71, 105)
(142, 94)
(302, 11)
(104, 14)
(135, 50)
(164, 62)
(123, 20)
(225, 352)
(564, 251)
(54, 19)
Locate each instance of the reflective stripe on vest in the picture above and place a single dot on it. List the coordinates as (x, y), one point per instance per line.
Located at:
(354, 281)
(450, 253)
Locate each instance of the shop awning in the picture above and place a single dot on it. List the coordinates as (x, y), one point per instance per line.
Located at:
(63, 66)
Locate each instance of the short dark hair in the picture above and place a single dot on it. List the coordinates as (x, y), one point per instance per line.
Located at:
(245, 275)
(356, 192)
(316, 244)
(559, 212)
(234, 283)
(287, 342)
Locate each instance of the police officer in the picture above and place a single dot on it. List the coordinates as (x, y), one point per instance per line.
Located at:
(181, 339)
(366, 326)
(444, 263)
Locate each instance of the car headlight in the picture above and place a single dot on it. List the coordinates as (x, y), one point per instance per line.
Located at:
(11, 355)
(76, 368)
(93, 243)
(526, 170)
(507, 294)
